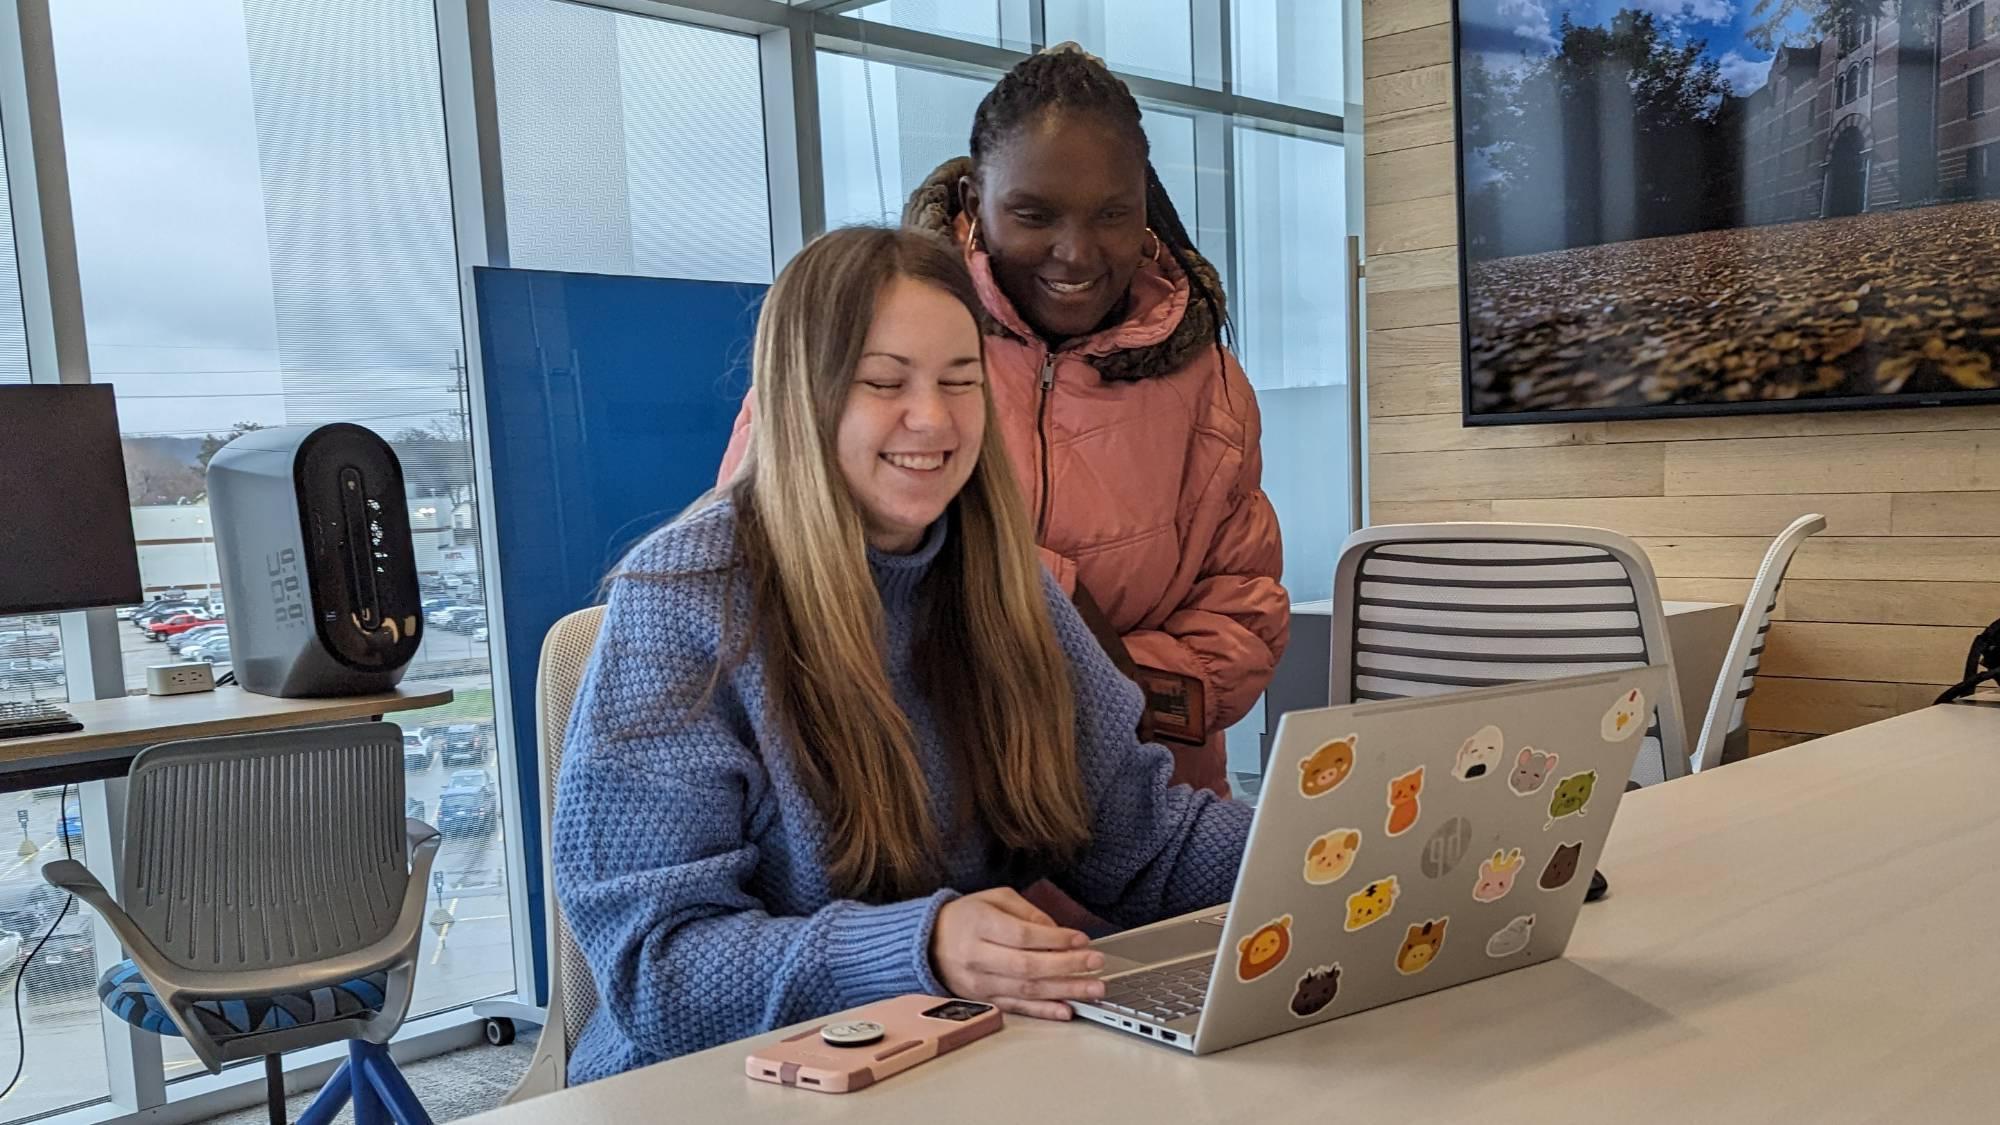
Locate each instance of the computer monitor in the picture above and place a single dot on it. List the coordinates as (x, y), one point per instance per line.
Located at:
(65, 516)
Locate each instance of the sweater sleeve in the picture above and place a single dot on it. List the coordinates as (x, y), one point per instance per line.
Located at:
(653, 862)
(1156, 850)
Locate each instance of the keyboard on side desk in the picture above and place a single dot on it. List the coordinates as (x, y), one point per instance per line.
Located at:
(20, 719)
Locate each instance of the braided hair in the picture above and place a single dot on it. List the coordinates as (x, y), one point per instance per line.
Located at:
(1066, 78)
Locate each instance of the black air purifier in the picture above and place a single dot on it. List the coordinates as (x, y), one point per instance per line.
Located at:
(312, 537)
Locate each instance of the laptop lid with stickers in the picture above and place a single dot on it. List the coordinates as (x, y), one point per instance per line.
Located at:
(1410, 845)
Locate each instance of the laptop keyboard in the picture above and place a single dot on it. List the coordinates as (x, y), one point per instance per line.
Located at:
(1163, 994)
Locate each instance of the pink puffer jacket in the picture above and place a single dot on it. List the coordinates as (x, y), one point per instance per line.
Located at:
(1137, 451)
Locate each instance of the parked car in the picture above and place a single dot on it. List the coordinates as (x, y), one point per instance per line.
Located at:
(431, 605)
(178, 623)
(461, 744)
(30, 671)
(197, 635)
(443, 617)
(158, 611)
(470, 618)
(479, 635)
(416, 755)
(29, 644)
(214, 650)
(472, 779)
(67, 961)
(413, 809)
(70, 825)
(463, 812)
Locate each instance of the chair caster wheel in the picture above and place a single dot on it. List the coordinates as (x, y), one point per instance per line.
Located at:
(499, 1031)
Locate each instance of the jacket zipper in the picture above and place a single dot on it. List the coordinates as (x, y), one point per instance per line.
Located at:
(1042, 445)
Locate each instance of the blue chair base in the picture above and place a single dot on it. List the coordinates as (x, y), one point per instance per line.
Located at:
(370, 1080)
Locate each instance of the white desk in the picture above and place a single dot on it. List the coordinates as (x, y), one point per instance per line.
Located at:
(115, 730)
(1805, 936)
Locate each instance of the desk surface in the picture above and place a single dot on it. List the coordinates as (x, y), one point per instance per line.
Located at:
(120, 727)
(1803, 936)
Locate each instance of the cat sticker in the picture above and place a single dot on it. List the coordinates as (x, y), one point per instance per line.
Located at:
(1480, 755)
(1445, 848)
(1264, 950)
(1625, 717)
(1371, 903)
(1571, 795)
(1332, 855)
(1403, 793)
(1561, 867)
(1316, 990)
(1421, 946)
(1325, 768)
(1496, 875)
(1511, 938)
(1531, 769)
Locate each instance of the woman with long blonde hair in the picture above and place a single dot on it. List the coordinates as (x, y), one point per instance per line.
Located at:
(839, 714)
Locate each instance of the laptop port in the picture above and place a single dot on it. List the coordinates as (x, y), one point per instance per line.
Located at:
(1170, 1037)
(1145, 1029)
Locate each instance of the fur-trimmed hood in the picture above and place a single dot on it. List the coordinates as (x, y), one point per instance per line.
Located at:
(1162, 332)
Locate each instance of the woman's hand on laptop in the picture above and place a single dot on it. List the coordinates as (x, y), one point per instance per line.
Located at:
(997, 947)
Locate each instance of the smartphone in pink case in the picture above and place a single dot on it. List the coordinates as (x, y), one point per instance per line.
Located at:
(855, 1049)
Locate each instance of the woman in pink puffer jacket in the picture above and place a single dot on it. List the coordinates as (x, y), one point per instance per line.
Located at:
(1132, 429)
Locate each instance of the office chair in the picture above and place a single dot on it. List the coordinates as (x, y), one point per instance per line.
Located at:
(1724, 736)
(271, 895)
(1423, 609)
(572, 993)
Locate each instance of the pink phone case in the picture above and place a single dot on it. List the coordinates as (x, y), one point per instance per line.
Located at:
(913, 1031)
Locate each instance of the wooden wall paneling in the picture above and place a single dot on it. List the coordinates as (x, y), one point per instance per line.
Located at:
(1387, 17)
(1406, 90)
(1573, 470)
(1703, 515)
(1910, 654)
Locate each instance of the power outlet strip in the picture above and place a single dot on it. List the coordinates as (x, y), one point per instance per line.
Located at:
(180, 679)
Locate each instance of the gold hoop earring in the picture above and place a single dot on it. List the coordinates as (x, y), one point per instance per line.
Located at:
(972, 235)
(1155, 255)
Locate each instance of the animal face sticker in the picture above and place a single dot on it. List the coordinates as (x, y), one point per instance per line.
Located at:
(1446, 847)
(1511, 938)
(1480, 755)
(1561, 867)
(1371, 903)
(1331, 856)
(1572, 793)
(1625, 717)
(1403, 801)
(1316, 990)
(1264, 950)
(1531, 769)
(1323, 771)
(1496, 875)
(1421, 946)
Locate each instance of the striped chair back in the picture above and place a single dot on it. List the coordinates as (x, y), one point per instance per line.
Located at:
(1425, 609)
(1746, 648)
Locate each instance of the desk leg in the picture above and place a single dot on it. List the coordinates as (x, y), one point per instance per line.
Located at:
(131, 1057)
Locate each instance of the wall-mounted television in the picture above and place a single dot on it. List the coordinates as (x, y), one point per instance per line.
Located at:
(1686, 207)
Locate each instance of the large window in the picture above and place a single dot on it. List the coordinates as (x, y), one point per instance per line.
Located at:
(264, 236)
(631, 145)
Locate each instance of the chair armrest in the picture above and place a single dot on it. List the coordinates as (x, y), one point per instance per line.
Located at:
(73, 877)
(418, 832)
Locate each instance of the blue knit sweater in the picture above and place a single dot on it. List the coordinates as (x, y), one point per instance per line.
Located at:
(688, 853)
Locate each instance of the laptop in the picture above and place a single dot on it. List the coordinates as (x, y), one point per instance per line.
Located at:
(1400, 847)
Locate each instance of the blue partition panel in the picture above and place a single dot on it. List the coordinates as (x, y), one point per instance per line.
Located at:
(608, 406)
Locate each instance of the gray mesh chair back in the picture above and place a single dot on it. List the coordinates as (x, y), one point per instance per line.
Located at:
(1725, 726)
(1425, 609)
(572, 992)
(262, 864)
